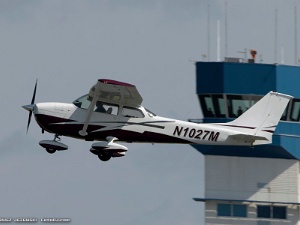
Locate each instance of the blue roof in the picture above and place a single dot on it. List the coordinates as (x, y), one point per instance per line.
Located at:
(247, 78)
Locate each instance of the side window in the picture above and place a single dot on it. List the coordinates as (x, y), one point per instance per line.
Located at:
(295, 114)
(106, 108)
(132, 112)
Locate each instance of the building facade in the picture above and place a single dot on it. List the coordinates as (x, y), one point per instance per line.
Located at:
(250, 185)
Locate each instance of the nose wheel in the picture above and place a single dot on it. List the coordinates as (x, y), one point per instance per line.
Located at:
(50, 151)
(104, 156)
(54, 145)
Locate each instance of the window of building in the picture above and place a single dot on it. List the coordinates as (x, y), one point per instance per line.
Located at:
(213, 105)
(232, 210)
(232, 106)
(295, 110)
(263, 211)
(224, 210)
(207, 106)
(275, 212)
(238, 104)
(239, 210)
(279, 212)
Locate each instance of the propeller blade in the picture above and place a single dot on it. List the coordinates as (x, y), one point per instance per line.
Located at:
(34, 92)
(30, 107)
(29, 120)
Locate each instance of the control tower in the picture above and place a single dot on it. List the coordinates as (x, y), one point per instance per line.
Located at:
(250, 185)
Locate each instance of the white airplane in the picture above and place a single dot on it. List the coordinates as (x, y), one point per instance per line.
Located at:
(112, 111)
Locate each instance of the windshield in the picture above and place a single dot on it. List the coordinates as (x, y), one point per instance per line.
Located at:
(83, 102)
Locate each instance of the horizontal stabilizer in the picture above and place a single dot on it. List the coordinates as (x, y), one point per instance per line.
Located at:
(249, 138)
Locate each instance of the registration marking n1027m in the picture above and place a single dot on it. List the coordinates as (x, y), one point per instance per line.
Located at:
(197, 134)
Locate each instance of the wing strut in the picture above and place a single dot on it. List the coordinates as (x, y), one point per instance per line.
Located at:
(89, 112)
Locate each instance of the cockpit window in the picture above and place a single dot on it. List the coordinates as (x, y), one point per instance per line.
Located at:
(103, 107)
(83, 102)
(132, 112)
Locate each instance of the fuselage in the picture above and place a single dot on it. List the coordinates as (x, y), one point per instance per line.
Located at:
(112, 111)
(140, 125)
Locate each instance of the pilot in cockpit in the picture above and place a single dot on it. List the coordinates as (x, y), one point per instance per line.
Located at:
(100, 107)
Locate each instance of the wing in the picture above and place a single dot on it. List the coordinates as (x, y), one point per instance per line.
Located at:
(116, 92)
(111, 91)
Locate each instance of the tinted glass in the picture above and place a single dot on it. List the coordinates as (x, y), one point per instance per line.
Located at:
(279, 212)
(263, 211)
(224, 210)
(240, 210)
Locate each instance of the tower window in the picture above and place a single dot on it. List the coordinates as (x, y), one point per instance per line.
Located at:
(263, 211)
(275, 212)
(232, 210)
(279, 212)
(224, 210)
(239, 210)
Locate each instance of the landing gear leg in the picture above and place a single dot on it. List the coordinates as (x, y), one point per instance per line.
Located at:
(56, 136)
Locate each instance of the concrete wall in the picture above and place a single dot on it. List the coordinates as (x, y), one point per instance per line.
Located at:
(253, 179)
(257, 179)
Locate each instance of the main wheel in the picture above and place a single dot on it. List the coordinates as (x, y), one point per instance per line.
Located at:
(104, 156)
(50, 151)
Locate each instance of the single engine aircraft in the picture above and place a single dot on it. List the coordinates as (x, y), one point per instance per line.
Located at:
(112, 111)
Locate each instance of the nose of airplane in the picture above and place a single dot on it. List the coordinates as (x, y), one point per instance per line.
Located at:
(28, 107)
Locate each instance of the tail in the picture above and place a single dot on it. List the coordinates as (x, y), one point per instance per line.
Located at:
(258, 123)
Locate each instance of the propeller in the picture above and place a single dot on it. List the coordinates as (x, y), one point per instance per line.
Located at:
(30, 107)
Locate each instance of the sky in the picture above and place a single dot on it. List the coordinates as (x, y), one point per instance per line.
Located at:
(68, 45)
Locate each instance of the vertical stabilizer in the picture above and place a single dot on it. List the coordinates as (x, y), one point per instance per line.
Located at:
(262, 118)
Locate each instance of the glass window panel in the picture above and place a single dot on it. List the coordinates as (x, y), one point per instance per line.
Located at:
(295, 110)
(207, 105)
(106, 108)
(83, 102)
(111, 109)
(132, 112)
(279, 212)
(239, 210)
(237, 105)
(263, 211)
(224, 210)
(219, 106)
